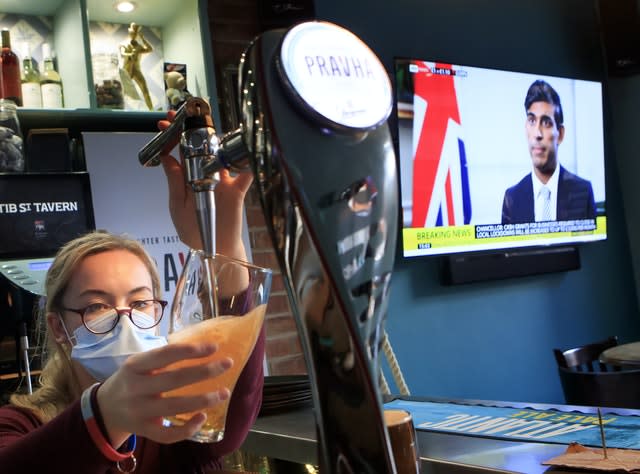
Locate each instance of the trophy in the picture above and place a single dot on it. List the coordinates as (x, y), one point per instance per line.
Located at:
(131, 53)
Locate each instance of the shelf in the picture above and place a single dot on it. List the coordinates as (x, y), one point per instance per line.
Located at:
(83, 31)
(89, 120)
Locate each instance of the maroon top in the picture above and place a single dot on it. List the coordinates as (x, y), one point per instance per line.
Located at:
(64, 445)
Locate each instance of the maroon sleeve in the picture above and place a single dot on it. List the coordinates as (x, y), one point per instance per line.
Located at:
(64, 443)
(246, 399)
(61, 445)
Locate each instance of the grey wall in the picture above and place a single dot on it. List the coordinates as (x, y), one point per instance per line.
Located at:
(625, 104)
(494, 340)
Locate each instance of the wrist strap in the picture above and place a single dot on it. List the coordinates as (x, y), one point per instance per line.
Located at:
(96, 434)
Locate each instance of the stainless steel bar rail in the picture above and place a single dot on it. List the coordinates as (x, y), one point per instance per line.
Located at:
(291, 436)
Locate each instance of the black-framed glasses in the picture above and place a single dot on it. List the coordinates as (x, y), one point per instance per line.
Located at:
(100, 318)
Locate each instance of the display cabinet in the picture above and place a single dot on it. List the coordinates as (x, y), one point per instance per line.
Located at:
(86, 37)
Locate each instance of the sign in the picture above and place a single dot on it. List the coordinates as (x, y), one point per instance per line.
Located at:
(133, 200)
(40, 212)
(335, 76)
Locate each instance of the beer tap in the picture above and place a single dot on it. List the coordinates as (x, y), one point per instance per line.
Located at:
(314, 101)
(198, 147)
(204, 155)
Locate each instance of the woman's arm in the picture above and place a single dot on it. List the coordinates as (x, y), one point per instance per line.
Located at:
(246, 400)
(229, 194)
(61, 445)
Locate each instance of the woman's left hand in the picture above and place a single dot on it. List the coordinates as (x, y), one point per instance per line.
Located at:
(132, 400)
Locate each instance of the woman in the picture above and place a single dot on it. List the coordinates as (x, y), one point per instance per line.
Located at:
(73, 424)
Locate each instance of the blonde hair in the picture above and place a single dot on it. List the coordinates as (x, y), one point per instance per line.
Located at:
(58, 386)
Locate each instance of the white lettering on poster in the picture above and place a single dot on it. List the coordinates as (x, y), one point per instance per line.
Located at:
(23, 207)
(534, 429)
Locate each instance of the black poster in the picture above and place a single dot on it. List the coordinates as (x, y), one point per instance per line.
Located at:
(39, 212)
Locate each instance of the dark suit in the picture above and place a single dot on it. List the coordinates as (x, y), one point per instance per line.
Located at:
(575, 200)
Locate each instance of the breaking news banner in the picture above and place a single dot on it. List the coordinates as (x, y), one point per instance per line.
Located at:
(530, 228)
(440, 240)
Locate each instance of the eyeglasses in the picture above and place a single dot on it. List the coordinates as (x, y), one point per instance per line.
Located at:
(100, 318)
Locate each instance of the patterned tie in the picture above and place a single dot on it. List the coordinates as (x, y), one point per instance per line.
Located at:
(545, 194)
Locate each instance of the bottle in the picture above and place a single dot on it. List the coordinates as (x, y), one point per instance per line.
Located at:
(31, 94)
(11, 147)
(50, 82)
(11, 88)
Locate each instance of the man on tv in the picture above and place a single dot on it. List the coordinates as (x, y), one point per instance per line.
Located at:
(549, 192)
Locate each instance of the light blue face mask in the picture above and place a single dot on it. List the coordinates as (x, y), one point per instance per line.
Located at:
(102, 354)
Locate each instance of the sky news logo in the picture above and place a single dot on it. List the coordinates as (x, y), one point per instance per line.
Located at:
(442, 71)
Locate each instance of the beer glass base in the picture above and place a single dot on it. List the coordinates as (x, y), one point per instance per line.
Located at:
(208, 436)
(202, 436)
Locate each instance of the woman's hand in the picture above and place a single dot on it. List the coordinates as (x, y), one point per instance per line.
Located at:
(229, 194)
(182, 204)
(131, 400)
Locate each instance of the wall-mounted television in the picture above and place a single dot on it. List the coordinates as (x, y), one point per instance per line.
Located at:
(493, 159)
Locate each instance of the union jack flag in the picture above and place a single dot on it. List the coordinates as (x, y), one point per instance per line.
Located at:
(441, 195)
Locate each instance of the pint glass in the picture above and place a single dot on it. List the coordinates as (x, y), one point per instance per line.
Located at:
(402, 435)
(222, 300)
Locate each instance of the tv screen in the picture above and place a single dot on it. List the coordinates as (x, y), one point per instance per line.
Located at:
(492, 159)
(40, 212)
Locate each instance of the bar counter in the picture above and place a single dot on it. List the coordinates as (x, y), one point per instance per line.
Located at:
(291, 436)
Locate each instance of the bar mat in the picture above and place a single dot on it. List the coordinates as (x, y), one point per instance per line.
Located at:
(526, 424)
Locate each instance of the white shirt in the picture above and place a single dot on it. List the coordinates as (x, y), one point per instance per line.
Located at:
(552, 185)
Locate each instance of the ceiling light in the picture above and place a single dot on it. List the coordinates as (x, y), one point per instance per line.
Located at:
(125, 7)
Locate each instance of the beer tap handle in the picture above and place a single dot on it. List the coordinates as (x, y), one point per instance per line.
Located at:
(198, 147)
(194, 106)
(149, 154)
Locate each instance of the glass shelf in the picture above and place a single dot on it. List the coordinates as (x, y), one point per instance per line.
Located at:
(81, 30)
(89, 120)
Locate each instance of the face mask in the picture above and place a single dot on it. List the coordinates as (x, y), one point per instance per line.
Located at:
(102, 354)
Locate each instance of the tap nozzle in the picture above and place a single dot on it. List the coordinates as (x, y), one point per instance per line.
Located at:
(194, 109)
(199, 146)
